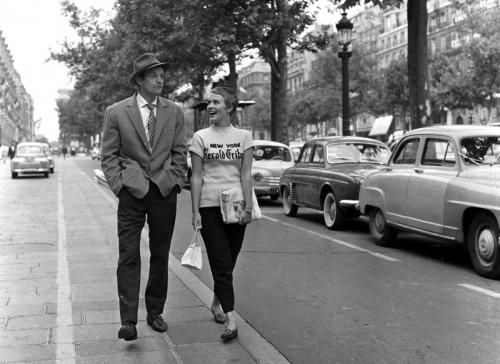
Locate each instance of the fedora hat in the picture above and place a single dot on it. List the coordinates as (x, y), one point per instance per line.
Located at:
(145, 62)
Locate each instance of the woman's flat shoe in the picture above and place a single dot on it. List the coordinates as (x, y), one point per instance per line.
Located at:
(219, 316)
(229, 334)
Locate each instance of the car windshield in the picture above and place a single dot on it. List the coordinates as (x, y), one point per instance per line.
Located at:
(271, 152)
(357, 152)
(480, 149)
(29, 149)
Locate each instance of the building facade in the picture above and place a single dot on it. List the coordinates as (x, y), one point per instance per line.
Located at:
(16, 105)
(254, 79)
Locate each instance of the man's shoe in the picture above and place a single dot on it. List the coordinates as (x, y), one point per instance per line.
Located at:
(127, 332)
(157, 323)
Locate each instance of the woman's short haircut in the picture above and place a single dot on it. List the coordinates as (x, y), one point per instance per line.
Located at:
(229, 96)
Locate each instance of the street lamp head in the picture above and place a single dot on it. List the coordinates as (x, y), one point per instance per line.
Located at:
(344, 30)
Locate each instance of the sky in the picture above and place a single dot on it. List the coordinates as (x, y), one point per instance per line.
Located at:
(31, 28)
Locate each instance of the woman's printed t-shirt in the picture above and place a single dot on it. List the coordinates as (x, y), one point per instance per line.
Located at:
(221, 150)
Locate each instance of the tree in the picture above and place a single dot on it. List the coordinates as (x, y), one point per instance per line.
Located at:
(268, 26)
(418, 77)
(259, 114)
(395, 97)
(321, 99)
(482, 51)
(451, 82)
(469, 76)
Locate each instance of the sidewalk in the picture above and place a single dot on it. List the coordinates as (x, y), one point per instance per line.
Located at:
(58, 300)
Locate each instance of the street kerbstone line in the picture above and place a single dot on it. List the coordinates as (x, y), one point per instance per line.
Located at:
(172, 348)
(64, 310)
(252, 342)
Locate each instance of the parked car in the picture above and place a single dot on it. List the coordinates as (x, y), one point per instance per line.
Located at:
(270, 159)
(95, 153)
(327, 174)
(441, 181)
(30, 158)
(296, 147)
(50, 157)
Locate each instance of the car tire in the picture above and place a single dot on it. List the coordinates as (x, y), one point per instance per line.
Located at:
(333, 216)
(14, 175)
(484, 249)
(46, 174)
(289, 207)
(383, 234)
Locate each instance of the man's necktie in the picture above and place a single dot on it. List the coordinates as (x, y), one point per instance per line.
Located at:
(151, 123)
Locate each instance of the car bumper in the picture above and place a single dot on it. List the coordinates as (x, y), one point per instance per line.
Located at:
(29, 170)
(266, 190)
(349, 204)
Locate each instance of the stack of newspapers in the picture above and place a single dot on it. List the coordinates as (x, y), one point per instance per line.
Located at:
(232, 205)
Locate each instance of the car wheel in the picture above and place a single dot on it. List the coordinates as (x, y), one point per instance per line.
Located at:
(332, 214)
(46, 174)
(383, 234)
(483, 246)
(288, 206)
(14, 175)
(274, 197)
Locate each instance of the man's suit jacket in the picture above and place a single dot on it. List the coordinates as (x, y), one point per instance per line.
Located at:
(127, 159)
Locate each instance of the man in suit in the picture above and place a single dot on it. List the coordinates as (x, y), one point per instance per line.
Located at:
(144, 161)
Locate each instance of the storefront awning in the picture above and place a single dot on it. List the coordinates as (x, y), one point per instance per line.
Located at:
(381, 125)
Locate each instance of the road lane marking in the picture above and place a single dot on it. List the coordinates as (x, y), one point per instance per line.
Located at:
(65, 351)
(480, 290)
(344, 243)
(270, 218)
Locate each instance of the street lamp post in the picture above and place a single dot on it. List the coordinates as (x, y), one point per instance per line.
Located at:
(344, 31)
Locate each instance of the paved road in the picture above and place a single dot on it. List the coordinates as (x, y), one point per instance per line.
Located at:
(334, 297)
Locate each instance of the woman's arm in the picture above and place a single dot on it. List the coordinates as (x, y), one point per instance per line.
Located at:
(196, 181)
(246, 185)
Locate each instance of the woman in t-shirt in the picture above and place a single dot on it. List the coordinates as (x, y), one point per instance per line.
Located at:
(221, 157)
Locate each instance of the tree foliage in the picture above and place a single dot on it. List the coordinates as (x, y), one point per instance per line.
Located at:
(471, 76)
(418, 77)
(482, 51)
(370, 91)
(195, 37)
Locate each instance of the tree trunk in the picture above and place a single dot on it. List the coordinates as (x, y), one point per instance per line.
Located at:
(233, 82)
(279, 109)
(418, 75)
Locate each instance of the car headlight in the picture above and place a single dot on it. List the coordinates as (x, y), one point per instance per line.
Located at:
(258, 177)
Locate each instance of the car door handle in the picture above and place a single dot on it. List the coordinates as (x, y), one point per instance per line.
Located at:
(419, 170)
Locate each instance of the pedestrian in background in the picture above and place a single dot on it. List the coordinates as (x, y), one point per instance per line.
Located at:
(64, 151)
(5, 151)
(144, 161)
(211, 172)
(12, 152)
